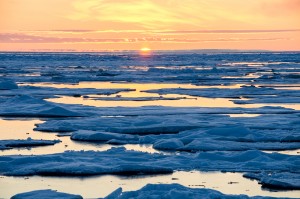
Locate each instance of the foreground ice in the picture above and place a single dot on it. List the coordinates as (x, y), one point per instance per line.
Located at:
(155, 121)
(153, 191)
(45, 194)
(84, 135)
(225, 138)
(121, 161)
(174, 191)
(281, 180)
(149, 124)
(9, 144)
(27, 106)
(193, 129)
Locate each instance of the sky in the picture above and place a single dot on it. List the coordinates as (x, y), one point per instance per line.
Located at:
(112, 25)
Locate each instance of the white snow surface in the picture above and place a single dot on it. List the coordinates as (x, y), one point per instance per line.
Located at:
(153, 191)
(45, 194)
(50, 92)
(121, 161)
(9, 144)
(175, 191)
(27, 106)
(224, 138)
(84, 135)
(277, 180)
(245, 91)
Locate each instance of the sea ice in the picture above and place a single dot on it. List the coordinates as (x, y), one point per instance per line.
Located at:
(142, 125)
(9, 144)
(277, 180)
(246, 92)
(27, 106)
(84, 135)
(175, 191)
(121, 161)
(45, 194)
(166, 128)
(51, 92)
(231, 138)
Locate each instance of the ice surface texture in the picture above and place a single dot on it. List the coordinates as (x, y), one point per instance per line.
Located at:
(121, 161)
(27, 106)
(45, 194)
(225, 138)
(9, 144)
(281, 180)
(50, 92)
(153, 191)
(174, 191)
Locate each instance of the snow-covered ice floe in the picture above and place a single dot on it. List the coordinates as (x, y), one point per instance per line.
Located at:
(45, 194)
(27, 106)
(277, 180)
(121, 161)
(158, 122)
(245, 91)
(225, 138)
(9, 144)
(153, 191)
(50, 92)
(171, 191)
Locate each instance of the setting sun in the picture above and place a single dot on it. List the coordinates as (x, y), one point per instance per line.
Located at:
(145, 49)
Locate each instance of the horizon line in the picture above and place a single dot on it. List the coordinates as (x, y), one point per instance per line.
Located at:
(138, 50)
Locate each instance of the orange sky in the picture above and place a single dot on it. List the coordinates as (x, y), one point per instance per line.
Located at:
(100, 25)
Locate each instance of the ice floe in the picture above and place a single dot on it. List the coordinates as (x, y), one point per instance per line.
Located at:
(27, 106)
(9, 144)
(170, 191)
(142, 125)
(121, 161)
(245, 91)
(281, 180)
(50, 92)
(45, 194)
(85, 135)
(232, 138)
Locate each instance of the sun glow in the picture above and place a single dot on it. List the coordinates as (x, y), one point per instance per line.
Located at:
(145, 49)
(145, 52)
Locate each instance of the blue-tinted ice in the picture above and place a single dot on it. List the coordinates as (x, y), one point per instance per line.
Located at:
(195, 110)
